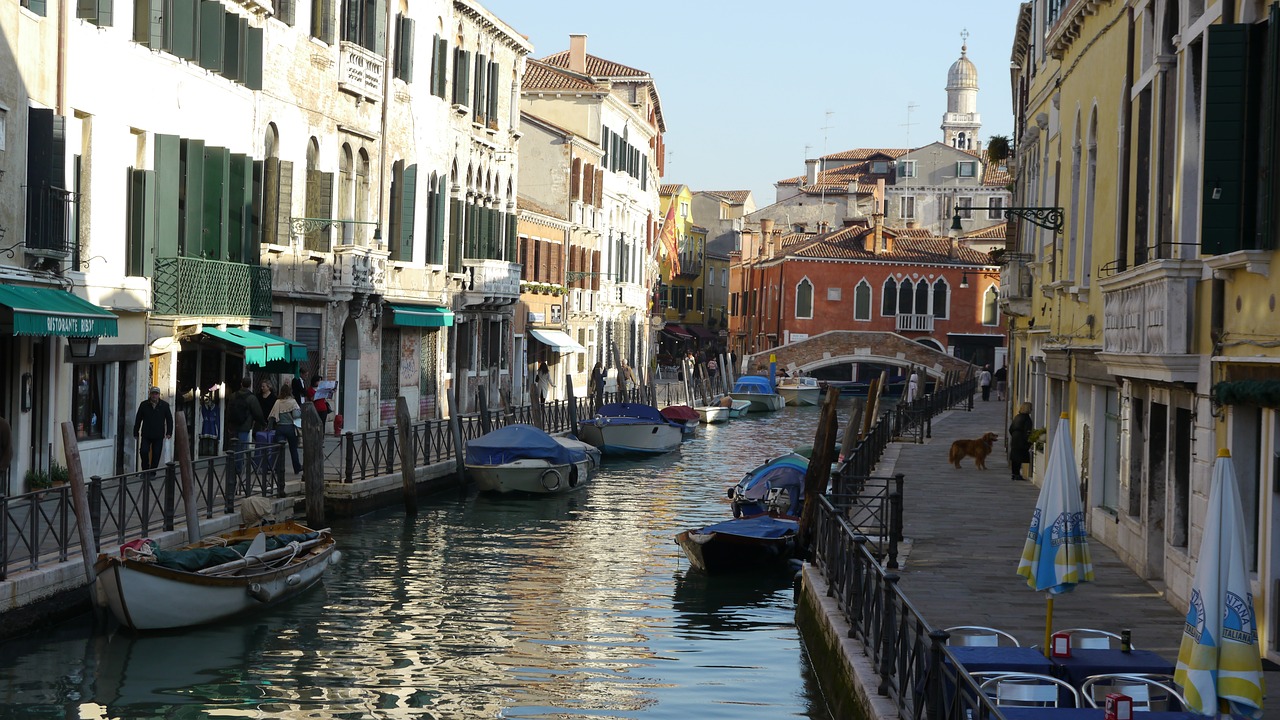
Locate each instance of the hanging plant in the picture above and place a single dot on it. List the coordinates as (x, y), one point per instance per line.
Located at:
(997, 149)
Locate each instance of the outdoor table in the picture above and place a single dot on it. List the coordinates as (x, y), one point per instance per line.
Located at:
(1034, 713)
(1013, 659)
(1083, 663)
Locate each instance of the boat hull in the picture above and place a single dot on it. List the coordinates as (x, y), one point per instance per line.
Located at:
(713, 414)
(724, 552)
(760, 402)
(533, 477)
(631, 438)
(808, 395)
(146, 596)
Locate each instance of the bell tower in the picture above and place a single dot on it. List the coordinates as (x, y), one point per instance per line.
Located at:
(962, 123)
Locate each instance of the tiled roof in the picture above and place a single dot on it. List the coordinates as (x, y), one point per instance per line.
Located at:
(993, 232)
(916, 232)
(733, 196)
(597, 67)
(838, 179)
(850, 244)
(993, 174)
(864, 153)
(539, 75)
(670, 188)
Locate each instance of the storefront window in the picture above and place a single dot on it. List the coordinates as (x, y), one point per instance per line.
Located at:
(87, 401)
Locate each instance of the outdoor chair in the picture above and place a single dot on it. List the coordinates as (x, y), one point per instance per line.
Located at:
(978, 636)
(1090, 639)
(1029, 690)
(1149, 692)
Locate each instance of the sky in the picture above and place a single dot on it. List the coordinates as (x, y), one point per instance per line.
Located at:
(750, 89)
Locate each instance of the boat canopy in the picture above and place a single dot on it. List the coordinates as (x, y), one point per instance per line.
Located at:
(679, 413)
(786, 473)
(753, 384)
(520, 442)
(761, 526)
(638, 411)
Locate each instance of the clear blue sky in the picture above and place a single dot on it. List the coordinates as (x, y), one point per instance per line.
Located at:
(747, 85)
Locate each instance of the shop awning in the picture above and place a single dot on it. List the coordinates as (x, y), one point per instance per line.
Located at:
(271, 353)
(46, 311)
(558, 341)
(701, 333)
(674, 329)
(429, 316)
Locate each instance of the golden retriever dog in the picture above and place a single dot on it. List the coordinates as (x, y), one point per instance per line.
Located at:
(977, 449)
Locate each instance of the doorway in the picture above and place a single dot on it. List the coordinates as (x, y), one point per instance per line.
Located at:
(349, 377)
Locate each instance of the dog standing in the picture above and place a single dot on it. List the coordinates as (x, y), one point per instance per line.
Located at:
(978, 449)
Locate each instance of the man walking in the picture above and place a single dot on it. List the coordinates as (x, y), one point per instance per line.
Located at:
(152, 425)
(984, 380)
(243, 414)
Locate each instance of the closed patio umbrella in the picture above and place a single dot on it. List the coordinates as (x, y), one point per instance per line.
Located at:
(1218, 662)
(1055, 557)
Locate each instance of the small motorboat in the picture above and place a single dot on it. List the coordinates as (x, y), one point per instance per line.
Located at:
(737, 408)
(711, 414)
(686, 417)
(774, 488)
(800, 390)
(220, 577)
(524, 459)
(740, 544)
(759, 392)
(630, 429)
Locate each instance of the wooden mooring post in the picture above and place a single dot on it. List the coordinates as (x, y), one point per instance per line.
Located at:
(187, 473)
(408, 471)
(819, 472)
(79, 499)
(573, 404)
(313, 465)
(459, 443)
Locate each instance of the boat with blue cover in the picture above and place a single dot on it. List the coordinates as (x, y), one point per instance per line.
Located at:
(757, 390)
(630, 429)
(741, 544)
(524, 459)
(774, 488)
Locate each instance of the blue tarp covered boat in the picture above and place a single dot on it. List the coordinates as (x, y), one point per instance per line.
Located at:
(740, 544)
(630, 428)
(523, 458)
(757, 390)
(776, 487)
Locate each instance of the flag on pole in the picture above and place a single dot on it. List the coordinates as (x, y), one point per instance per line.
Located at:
(667, 238)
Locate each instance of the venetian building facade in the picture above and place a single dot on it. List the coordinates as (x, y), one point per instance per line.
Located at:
(1148, 317)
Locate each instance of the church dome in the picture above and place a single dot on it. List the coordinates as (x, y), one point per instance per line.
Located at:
(962, 74)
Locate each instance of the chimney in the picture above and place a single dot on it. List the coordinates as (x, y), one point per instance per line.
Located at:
(766, 236)
(748, 248)
(578, 54)
(810, 173)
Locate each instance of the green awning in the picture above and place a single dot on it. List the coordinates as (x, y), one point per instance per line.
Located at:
(271, 353)
(45, 311)
(420, 315)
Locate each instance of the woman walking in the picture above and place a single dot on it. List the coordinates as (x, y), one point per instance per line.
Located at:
(286, 416)
(1020, 440)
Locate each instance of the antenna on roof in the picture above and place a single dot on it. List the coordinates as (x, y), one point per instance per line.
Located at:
(822, 167)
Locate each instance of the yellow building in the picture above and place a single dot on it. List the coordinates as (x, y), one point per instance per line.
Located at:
(1145, 129)
(681, 294)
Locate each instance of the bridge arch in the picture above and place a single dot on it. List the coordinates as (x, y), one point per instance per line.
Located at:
(839, 347)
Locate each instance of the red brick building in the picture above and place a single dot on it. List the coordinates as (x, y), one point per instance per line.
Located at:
(788, 287)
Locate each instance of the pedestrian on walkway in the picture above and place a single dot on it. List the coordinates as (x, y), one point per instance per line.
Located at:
(243, 415)
(984, 380)
(543, 381)
(1020, 441)
(626, 378)
(266, 399)
(286, 416)
(152, 425)
(321, 403)
(596, 385)
(1002, 379)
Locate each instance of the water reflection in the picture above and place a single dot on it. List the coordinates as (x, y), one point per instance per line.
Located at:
(568, 606)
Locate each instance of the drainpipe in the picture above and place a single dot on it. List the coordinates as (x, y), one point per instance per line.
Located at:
(63, 29)
(386, 111)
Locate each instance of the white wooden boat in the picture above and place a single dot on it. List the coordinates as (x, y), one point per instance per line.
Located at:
(630, 429)
(757, 390)
(524, 459)
(713, 413)
(737, 408)
(220, 577)
(800, 390)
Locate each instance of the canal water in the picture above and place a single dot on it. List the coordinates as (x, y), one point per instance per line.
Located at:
(577, 606)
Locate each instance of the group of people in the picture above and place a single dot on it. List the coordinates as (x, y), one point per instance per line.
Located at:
(625, 377)
(247, 413)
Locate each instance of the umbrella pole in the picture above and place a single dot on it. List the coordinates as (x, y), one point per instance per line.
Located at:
(1048, 623)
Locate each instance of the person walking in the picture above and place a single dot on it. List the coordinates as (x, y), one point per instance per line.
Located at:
(625, 379)
(266, 399)
(984, 380)
(543, 381)
(913, 386)
(298, 389)
(287, 416)
(321, 403)
(596, 385)
(244, 413)
(1020, 441)
(152, 425)
(1002, 379)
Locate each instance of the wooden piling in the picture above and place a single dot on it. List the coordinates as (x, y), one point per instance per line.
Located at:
(459, 444)
(187, 473)
(482, 399)
(313, 465)
(573, 404)
(819, 471)
(408, 470)
(79, 500)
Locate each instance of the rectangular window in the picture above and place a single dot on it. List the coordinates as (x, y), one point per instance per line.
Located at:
(879, 167)
(285, 11)
(390, 364)
(684, 209)
(964, 207)
(404, 49)
(35, 6)
(89, 401)
(995, 208)
(306, 330)
(966, 168)
(98, 12)
(322, 20)
(833, 294)
(907, 210)
(906, 168)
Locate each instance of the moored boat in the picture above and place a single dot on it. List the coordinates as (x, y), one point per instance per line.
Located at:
(630, 429)
(800, 390)
(712, 414)
(740, 544)
(524, 459)
(222, 576)
(758, 391)
(686, 417)
(776, 487)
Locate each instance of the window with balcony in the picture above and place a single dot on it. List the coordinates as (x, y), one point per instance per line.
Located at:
(862, 301)
(364, 22)
(906, 297)
(889, 298)
(50, 202)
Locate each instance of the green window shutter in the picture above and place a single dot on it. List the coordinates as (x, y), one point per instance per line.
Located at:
(322, 20)
(493, 92)
(404, 49)
(191, 202)
(511, 237)
(142, 229)
(478, 103)
(212, 29)
(378, 42)
(166, 199)
(253, 58)
(1226, 94)
(408, 203)
(213, 226)
(284, 206)
(1269, 139)
(270, 215)
(455, 235)
(431, 221)
(237, 186)
(441, 68)
(106, 13)
(183, 31)
(465, 76)
(438, 252)
(231, 50)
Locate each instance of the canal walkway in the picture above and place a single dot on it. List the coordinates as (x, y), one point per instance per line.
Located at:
(965, 531)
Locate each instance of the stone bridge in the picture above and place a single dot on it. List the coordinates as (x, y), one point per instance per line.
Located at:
(849, 346)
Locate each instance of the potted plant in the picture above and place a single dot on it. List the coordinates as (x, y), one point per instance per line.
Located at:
(58, 474)
(36, 479)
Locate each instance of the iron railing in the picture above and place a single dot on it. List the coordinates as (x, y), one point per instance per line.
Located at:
(195, 286)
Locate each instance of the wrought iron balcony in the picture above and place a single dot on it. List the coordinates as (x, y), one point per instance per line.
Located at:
(690, 264)
(918, 322)
(490, 283)
(1147, 315)
(211, 288)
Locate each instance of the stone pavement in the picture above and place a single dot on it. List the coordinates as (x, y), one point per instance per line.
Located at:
(965, 531)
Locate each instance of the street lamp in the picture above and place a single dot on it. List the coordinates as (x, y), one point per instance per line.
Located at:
(956, 227)
(964, 280)
(82, 348)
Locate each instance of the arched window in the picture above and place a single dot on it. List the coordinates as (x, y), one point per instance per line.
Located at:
(940, 296)
(862, 301)
(889, 298)
(804, 299)
(991, 306)
(922, 297)
(905, 295)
